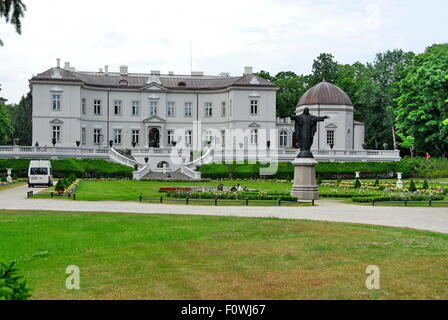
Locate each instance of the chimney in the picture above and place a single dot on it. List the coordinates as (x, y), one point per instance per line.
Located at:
(155, 72)
(58, 62)
(106, 69)
(124, 70)
(170, 73)
(197, 73)
(247, 70)
(101, 70)
(224, 74)
(67, 65)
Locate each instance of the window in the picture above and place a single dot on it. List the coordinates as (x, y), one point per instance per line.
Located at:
(254, 136)
(83, 105)
(153, 108)
(283, 138)
(135, 108)
(39, 171)
(117, 107)
(188, 109)
(135, 136)
(223, 109)
(83, 135)
(208, 109)
(330, 137)
(223, 137)
(188, 137)
(57, 133)
(97, 107)
(97, 136)
(253, 107)
(170, 112)
(117, 136)
(208, 136)
(56, 102)
(170, 136)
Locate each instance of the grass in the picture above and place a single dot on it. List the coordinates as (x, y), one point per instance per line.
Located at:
(131, 190)
(136, 256)
(11, 185)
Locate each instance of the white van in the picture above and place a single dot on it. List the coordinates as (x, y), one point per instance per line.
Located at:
(40, 173)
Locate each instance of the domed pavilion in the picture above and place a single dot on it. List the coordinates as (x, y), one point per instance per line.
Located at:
(340, 131)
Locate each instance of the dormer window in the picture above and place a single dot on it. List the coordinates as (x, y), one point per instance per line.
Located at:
(182, 84)
(123, 83)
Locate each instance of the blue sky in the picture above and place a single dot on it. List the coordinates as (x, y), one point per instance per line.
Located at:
(226, 35)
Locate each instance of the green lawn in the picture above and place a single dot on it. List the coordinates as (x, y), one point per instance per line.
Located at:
(128, 190)
(136, 256)
(131, 190)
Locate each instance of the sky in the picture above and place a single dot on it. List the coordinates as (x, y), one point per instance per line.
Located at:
(225, 36)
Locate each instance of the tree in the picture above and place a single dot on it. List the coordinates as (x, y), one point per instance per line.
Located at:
(291, 89)
(421, 106)
(6, 129)
(22, 120)
(376, 94)
(13, 11)
(324, 68)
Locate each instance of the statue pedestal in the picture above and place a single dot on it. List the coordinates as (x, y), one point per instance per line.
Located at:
(305, 186)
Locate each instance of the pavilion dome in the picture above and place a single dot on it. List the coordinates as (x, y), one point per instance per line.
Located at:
(325, 93)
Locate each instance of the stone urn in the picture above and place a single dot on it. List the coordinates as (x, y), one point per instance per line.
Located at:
(8, 178)
(399, 182)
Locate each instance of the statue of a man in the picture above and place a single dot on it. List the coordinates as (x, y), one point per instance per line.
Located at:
(305, 127)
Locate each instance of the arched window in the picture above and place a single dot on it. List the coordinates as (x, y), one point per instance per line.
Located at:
(182, 84)
(162, 164)
(283, 138)
(123, 83)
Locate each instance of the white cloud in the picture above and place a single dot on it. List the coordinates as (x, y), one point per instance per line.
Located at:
(155, 35)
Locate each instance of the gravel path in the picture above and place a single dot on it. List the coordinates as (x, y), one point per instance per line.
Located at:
(432, 219)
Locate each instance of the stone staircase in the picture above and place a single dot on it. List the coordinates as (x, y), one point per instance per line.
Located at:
(176, 175)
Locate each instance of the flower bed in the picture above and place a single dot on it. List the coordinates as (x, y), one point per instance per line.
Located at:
(399, 197)
(237, 195)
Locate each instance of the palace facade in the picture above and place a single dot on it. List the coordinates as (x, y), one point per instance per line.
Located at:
(94, 109)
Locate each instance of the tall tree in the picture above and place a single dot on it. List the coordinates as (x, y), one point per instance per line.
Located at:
(22, 120)
(6, 129)
(422, 106)
(375, 97)
(324, 68)
(13, 11)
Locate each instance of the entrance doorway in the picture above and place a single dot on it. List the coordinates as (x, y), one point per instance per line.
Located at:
(154, 138)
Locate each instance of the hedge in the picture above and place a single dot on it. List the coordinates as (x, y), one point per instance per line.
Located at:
(399, 197)
(410, 167)
(81, 168)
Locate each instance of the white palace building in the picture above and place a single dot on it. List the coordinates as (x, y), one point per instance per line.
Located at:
(82, 114)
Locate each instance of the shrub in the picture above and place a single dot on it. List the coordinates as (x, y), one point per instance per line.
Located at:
(399, 197)
(3, 179)
(381, 187)
(81, 168)
(412, 187)
(319, 180)
(11, 285)
(425, 184)
(357, 184)
(410, 167)
(60, 188)
(376, 183)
